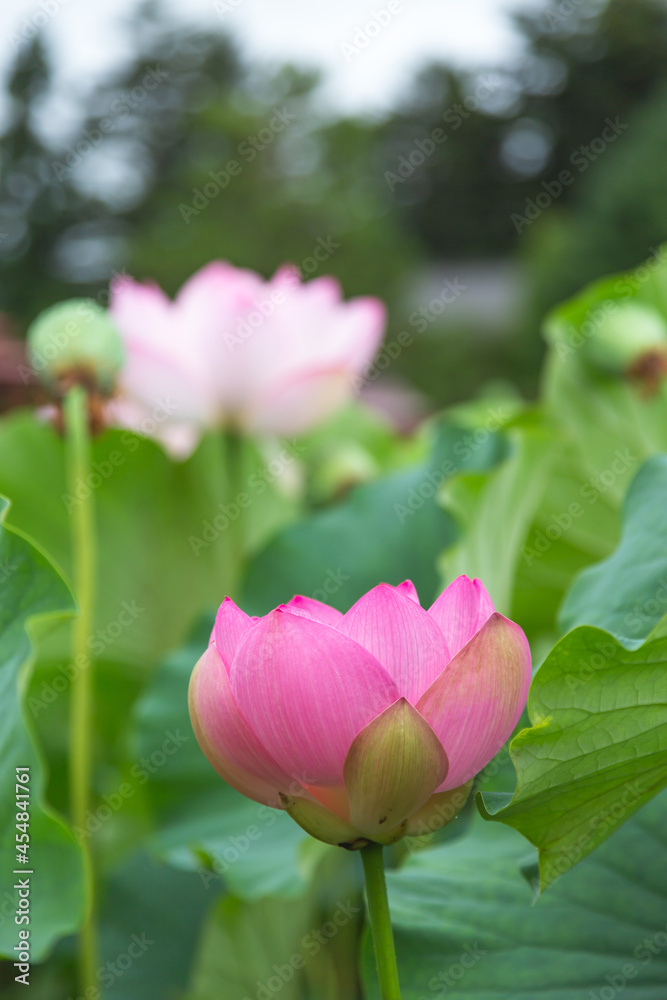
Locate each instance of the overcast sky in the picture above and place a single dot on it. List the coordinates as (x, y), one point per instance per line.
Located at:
(367, 50)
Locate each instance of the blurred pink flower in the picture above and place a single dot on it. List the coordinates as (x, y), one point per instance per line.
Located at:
(360, 724)
(267, 357)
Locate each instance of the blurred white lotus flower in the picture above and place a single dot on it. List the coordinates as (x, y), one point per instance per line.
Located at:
(233, 350)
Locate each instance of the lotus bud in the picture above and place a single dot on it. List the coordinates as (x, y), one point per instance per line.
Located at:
(632, 341)
(365, 726)
(75, 342)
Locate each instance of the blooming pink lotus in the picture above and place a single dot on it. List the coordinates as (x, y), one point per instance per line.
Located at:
(360, 724)
(266, 357)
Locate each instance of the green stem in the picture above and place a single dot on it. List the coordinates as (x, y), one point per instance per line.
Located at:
(78, 458)
(378, 909)
(233, 447)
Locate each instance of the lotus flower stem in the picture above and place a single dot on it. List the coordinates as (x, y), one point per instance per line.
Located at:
(78, 457)
(380, 919)
(233, 455)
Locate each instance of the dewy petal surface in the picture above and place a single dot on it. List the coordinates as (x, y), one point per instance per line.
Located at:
(307, 690)
(317, 610)
(461, 610)
(393, 767)
(401, 635)
(228, 741)
(231, 624)
(476, 702)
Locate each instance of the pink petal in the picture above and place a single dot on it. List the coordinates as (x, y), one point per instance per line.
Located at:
(409, 590)
(162, 361)
(231, 624)
(401, 635)
(307, 691)
(461, 610)
(228, 741)
(317, 610)
(294, 405)
(365, 319)
(477, 701)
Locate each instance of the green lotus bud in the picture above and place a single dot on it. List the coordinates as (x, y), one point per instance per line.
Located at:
(75, 341)
(625, 336)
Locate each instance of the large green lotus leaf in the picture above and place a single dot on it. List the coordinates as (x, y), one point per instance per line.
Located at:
(530, 523)
(33, 597)
(150, 921)
(495, 508)
(606, 427)
(466, 928)
(385, 531)
(303, 949)
(575, 524)
(596, 750)
(627, 593)
(163, 541)
(198, 821)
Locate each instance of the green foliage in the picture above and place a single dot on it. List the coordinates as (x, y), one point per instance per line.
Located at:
(33, 596)
(596, 750)
(303, 948)
(197, 821)
(464, 922)
(392, 527)
(495, 509)
(627, 593)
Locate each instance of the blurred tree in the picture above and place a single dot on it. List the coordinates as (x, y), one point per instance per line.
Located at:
(510, 133)
(35, 207)
(618, 218)
(182, 156)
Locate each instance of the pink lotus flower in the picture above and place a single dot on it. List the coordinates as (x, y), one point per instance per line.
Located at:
(266, 357)
(360, 724)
